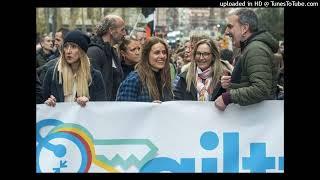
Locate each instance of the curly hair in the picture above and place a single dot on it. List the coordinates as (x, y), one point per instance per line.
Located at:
(109, 21)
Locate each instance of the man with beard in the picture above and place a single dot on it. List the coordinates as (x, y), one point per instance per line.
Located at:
(103, 55)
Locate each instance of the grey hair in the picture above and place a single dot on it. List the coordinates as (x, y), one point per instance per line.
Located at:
(109, 21)
(247, 16)
(138, 30)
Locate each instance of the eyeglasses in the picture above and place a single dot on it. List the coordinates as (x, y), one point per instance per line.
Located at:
(204, 54)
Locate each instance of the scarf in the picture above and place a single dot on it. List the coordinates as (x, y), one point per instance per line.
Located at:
(204, 88)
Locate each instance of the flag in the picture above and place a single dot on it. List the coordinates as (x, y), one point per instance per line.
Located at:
(148, 13)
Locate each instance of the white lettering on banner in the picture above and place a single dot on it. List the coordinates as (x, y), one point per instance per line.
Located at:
(176, 136)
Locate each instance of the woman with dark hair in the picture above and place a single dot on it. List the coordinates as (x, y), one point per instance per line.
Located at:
(150, 82)
(201, 81)
(73, 78)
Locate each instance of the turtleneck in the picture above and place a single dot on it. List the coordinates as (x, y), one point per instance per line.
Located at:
(126, 68)
(157, 75)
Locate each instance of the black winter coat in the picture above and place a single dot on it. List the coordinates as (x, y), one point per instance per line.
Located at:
(51, 86)
(39, 96)
(101, 54)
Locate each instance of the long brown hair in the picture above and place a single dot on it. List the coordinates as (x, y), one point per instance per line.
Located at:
(147, 75)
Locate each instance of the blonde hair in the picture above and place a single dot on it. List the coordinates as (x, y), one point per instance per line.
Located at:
(82, 76)
(146, 74)
(216, 65)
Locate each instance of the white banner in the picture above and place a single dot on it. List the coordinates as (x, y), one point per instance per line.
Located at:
(176, 136)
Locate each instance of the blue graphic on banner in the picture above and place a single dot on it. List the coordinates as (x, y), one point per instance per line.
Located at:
(258, 162)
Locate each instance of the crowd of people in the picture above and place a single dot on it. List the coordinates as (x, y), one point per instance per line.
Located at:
(113, 66)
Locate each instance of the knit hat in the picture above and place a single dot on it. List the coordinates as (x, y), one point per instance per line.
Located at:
(78, 38)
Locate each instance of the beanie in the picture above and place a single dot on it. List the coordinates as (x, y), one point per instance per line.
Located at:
(78, 38)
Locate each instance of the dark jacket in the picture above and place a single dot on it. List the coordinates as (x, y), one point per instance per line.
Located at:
(51, 86)
(127, 69)
(39, 96)
(131, 89)
(42, 70)
(101, 54)
(180, 89)
(54, 55)
(254, 77)
(41, 57)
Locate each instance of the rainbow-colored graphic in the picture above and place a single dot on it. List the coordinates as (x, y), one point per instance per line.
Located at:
(85, 142)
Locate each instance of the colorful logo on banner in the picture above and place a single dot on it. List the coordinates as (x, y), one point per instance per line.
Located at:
(67, 139)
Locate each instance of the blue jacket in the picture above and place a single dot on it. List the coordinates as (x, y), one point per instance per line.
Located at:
(51, 86)
(131, 90)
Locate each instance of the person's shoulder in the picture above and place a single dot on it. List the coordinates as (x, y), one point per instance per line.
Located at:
(50, 69)
(95, 72)
(132, 80)
(96, 44)
(256, 44)
(52, 62)
(133, 76)
(131, 83)
(49, 72)
(256, 48)
(39, 51)
(183, 74)
(95, 47)
(185, 67)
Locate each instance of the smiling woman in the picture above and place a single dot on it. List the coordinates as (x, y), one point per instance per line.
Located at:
(201, 82)
(72, 79)
(151, 80)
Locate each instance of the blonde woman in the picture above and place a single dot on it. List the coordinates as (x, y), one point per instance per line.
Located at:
(72, 79)
(201, 81)
(151, 81)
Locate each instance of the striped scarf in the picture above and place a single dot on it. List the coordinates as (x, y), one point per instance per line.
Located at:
(204, 87)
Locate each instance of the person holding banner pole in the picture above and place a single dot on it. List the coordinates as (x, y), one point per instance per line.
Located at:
(151, 81)
(73, 78)
(254, 76)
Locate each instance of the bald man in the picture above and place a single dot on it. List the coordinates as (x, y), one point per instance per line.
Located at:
(103, 55)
